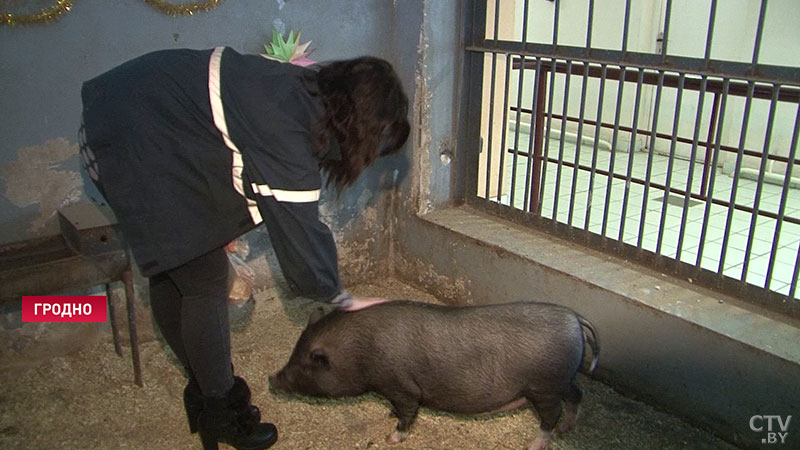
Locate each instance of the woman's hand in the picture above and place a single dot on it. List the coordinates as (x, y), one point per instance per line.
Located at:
(356, 303)
(346, 302)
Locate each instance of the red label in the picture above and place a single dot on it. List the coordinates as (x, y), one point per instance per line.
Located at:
(64, 308)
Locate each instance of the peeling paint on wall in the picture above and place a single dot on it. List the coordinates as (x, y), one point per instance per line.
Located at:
(425, 276)
(357, 262)
(279, 26)
(359, 239)
(357, 242)
(422, 131)
(34, 178)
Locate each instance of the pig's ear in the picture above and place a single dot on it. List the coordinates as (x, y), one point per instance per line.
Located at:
(317, 314)
(320, 358)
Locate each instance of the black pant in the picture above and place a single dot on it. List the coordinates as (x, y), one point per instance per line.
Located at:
(190, 306)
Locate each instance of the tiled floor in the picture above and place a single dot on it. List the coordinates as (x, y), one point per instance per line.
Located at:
(656, 225)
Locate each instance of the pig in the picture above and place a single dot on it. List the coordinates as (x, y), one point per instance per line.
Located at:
(459, 359)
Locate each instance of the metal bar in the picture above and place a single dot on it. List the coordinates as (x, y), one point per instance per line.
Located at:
(793, 286)
(715, 159)
(710, 34)
(525, 21)
(735, 185)
(615, 135)
(626, 21)
(504, 131)
(537, 180)
(589, 26)
(112, 317)
(760, 184)
(683, 140)
(631, 153)
(593, 170)
(763, 73)
(550, 110)
(715, 106)
(651, 153)
(784, 199)
(470, 146)
(712, 124)
(520, 88)
(670, 164)
(762, 16)
(127, 278)
(584, 83)
(578, 145)
(460, 106)
(665, 38)
(488, 181)
(559, 164)
(495, 32)
(546, 149)
(531, 137)
(478, 23)
(690, 175)
(555, 24)
(691, 82)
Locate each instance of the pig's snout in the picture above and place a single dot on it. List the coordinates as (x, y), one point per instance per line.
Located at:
(277, 382)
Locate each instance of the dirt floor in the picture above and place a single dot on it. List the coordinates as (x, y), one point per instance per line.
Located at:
(87, 400)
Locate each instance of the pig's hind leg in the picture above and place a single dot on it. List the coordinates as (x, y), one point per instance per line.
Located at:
(571, 401)
(549, 409)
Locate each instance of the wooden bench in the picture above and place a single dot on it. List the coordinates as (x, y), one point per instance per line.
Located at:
(88, 252)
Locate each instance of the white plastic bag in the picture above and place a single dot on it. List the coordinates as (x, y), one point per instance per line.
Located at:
(242, 276)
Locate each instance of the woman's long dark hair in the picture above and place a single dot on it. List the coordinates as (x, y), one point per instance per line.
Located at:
(366, 112)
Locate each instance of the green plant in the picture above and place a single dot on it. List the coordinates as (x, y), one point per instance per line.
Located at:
(286, 50)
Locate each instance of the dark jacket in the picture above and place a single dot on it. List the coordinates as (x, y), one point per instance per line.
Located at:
(193, 148)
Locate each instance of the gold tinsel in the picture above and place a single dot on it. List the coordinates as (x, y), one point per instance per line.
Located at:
(180, 9)
(62, 7)
(50, 14)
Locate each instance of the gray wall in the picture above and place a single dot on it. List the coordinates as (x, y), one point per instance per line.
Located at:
(42, 68)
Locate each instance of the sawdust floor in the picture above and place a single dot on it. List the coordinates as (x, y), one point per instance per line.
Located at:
(87, 400)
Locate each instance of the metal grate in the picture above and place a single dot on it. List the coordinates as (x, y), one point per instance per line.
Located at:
(677, 157)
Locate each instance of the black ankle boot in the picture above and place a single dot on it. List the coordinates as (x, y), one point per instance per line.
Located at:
(193, 402)
(234, 421)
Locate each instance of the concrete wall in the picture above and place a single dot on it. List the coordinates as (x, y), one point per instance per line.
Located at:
(42, 68)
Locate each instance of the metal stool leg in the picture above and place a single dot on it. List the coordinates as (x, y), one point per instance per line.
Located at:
(112, 317)
(127, 278)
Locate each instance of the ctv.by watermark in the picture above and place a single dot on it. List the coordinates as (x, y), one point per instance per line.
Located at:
(773, 428)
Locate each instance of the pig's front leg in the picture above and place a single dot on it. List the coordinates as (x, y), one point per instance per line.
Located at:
(405, 409)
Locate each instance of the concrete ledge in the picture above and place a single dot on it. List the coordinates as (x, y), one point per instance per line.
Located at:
(706, 357)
